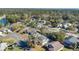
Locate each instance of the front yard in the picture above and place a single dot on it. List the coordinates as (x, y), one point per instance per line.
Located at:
(14, 49)
(67, 49)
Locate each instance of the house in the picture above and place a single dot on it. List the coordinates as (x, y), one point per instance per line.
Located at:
(5, 30)
(45, 15)
(34, 17)
(14, 42)
(8, 39)
(72, 34)
(54, 46)
(29, 30)
(3, 21)
(41, 23)
(64, 25)
(70, 41)
(19, 37)
(14, 35)
(40, 37)
(3, 46)
(60, 25)
(50, 29)
(2, 35)
(16, 39)
(24, 37)
(16, 26)
(44, 40)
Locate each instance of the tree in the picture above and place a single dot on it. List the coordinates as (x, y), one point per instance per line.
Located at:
(51, 36)
(55, 22)
(60, 36)
(57, 36)
(65, 17)
(33, 24)
(13, 18)
(18, 26)
(71, 28)
(74, 46)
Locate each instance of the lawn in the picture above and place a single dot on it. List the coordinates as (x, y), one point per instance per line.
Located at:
(14, 49)
(67, 49)
(38, 48)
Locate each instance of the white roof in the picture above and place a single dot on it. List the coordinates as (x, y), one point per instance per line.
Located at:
(1, 34)
(3, 46)
(71, 34)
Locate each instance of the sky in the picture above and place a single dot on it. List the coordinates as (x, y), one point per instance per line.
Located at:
(39, 3)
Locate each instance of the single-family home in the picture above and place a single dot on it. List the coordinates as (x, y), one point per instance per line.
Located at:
(53, 46)
(70, 41)
(40, 37)
(2, 34)
(43, 40)
(50, 29)
(72, 34)
(18, 37)
(5, 30)
(24, 37)
(34, 17)
(64, 25)
(3, 21)
(41, 23)
(3, 46)
(14, 35)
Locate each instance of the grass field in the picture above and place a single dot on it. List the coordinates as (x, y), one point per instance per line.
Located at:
(14, 49)
(67, 49)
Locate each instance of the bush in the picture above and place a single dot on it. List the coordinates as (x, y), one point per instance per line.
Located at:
(56, 36)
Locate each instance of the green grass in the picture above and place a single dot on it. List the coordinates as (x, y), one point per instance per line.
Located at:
(67, 49)
(14, 49)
